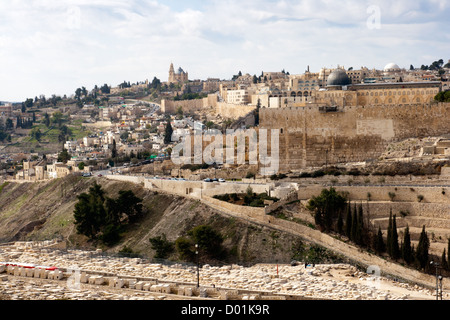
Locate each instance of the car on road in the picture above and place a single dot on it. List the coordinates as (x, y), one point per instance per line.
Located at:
(221, 180)
(207, 180)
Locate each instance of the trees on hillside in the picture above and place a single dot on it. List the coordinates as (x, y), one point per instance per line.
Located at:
(326, 208)
(101, 218)
(329, 217)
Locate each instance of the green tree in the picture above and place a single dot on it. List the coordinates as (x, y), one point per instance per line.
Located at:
(258, 107)
(444, 260)
(208, 239)
(348, 221)
(36, 134)
(81, 166)
(326, 207)
(47, 120)
(185, 249)
(57, 118)
(129, 205)
(29, 103)
(105, 89)
(379, 244)
(89, 212)
(64, 156)
(354, 232)
(340, 224)
(407, 253)
(103, 218)
(162, 246)
(448, 250)
(422, 248)
(168, 132)
(114, 149)
(389, 235)
(209, 243)
(395, 246)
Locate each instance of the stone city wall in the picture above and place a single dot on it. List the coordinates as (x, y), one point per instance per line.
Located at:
(310, 137)
(210, 103)
(199, 189)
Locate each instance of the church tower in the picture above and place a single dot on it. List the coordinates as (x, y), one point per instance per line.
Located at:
(171, 74)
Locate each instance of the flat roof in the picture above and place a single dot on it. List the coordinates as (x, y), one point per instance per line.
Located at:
(396, 84)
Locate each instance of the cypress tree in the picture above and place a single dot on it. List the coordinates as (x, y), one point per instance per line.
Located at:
(422, 248)
(406, 248)
(389, 235)
(348, 222)
(355, 226)
(340, 223)
(360, 226)
(448, 250)
(395, 246)
(444, 260)
(168, 132)
(379, 244)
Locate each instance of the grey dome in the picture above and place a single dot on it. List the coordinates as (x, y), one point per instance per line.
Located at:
(338, 78)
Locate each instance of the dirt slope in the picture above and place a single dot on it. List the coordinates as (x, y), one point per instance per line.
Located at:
(44, 210)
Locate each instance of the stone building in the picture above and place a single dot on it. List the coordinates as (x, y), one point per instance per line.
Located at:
(344, 122)
(180, 76)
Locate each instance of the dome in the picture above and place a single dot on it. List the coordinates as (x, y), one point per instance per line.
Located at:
(391, 67)
(338, 78)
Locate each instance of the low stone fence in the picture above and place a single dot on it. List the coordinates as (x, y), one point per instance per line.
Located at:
(133, 179)
(245, 211)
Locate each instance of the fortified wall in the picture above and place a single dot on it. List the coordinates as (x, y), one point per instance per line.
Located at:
(315, 136)
(210, 103)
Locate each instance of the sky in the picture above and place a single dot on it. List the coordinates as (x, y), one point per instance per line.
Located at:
(56, 46)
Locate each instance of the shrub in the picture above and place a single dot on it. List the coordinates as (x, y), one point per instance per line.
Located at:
(391, 195)
(162, 246)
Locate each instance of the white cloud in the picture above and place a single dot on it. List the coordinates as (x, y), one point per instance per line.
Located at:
(51, 46)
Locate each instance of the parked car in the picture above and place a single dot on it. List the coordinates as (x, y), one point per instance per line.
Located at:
(207, 180)
(221, 180)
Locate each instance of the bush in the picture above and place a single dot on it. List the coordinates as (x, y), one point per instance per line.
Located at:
(111, 234)
(162, 246)
(318, 174)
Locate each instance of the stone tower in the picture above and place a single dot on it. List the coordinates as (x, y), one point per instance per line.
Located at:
(171, 74)
(177, 77)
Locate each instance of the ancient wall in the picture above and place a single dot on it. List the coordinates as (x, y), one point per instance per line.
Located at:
(381, 193)
(313, 137)
(233, 111)
(170, 106)
(210, 103)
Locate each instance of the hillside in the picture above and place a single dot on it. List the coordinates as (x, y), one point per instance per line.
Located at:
(44, 210)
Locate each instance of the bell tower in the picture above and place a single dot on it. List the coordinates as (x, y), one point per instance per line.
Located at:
(171, 74)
